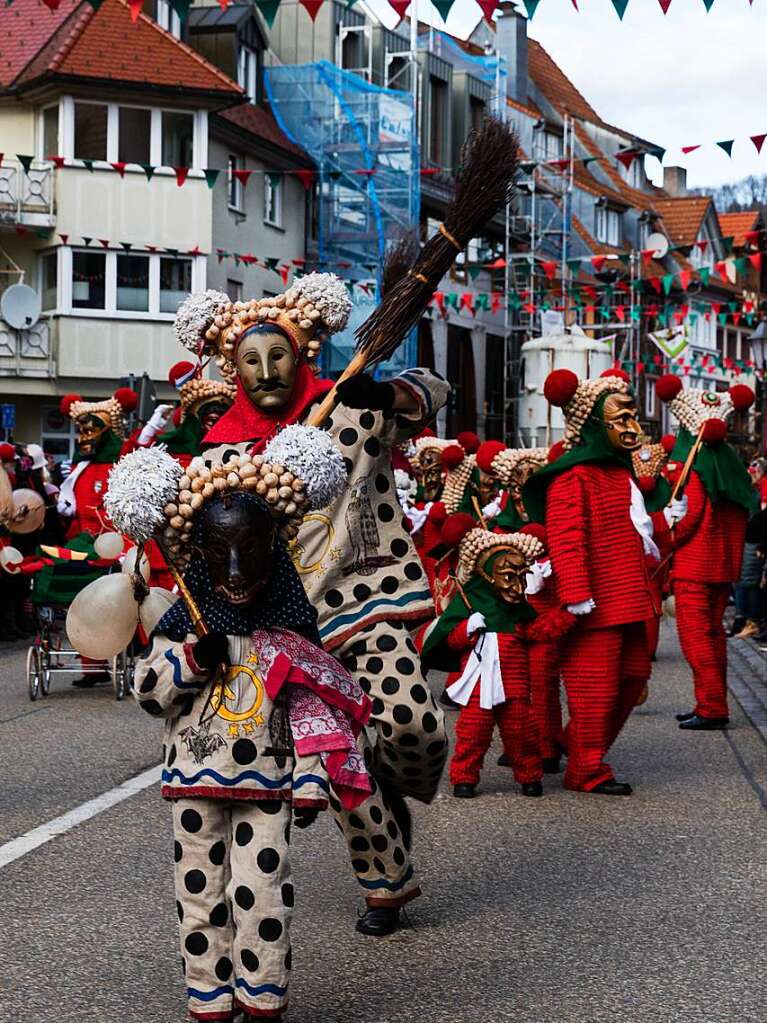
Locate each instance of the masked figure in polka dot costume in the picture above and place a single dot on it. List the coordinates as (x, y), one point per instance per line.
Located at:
(598, 534)
(261, 724)
(708, 543)
(488, 625)
(355, 556)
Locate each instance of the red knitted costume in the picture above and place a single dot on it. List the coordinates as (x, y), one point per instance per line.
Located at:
(597, 554)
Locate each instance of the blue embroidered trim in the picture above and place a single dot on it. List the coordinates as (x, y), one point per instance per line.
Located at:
(310, 779)
(262, 989)
(174, 662)
(210, 996)
(340, 621)
(390, 886)
(208, 772)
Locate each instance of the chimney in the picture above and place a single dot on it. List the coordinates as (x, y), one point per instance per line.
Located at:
(511, 41)
(675, 181)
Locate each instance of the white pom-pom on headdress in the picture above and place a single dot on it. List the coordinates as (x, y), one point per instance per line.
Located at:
(140, 485)
(311, 455)
(328, 294)
(195, 315)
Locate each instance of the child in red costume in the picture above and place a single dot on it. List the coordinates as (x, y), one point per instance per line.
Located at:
(489, 625)
(598, 534)
(708, 544)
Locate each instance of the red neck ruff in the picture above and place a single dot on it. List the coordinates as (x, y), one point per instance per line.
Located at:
(244, 422)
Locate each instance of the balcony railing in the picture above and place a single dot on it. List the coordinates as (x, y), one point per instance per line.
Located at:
(26, 196)
(28, 352)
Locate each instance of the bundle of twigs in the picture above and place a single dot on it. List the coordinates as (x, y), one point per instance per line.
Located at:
(400, 257)
(483, 184)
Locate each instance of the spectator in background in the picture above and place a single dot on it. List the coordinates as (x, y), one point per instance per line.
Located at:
(8, 460)
(749, 595)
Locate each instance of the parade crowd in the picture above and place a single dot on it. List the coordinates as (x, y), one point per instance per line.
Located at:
(328, 552)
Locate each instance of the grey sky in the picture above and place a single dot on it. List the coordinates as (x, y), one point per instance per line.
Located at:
(686, 78)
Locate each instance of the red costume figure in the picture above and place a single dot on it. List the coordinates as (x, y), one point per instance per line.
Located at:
(649, 461)
(489, 625)
(598, 533)
(708, 543)
(100, 433)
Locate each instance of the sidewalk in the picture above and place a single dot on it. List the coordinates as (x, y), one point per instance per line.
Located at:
(747, 679)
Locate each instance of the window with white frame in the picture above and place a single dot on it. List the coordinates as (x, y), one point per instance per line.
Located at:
(129, 134)
(354, 47)
(49, 280)
(134, 143)
(50, 132)
(90, 131)
(552, 143)
(234, 163)
(134, 282)
(247, 72)
(273, 199)
(649, 399)
(609, 225)
(705, 256)
(167, 18)
(175, 282)
(644, 233)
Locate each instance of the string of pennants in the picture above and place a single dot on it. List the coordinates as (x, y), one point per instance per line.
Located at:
(531, 6)
(212, 174)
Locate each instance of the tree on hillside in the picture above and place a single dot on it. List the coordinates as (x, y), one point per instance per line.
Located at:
(741, 195)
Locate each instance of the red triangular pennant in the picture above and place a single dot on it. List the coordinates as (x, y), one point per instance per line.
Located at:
(758, 141)
(135, 9)
(181, 175)
(243, 176)
(702, 244)
(664, 4)
(120, 166)
(627, 158)
(400, 6)
(690, 149)
(57, 161)
(598, 262)
(311, 7)
(685, 276)
(549, 268)
(755, 259)
(306, 177)
(486, 6)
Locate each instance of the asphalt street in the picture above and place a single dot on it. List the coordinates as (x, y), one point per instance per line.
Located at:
(566, 909)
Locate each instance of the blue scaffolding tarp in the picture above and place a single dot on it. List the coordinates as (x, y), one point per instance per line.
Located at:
(363, 141)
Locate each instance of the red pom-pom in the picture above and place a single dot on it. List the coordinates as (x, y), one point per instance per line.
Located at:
(487, 452)
(127, 398)
(616, 371)
(714, 431)
(742, 397)
(559, 387)
(455, 528)
(426, 432)
(452, 456)
(66, 403)
(555, 451)
(534, 529)
(667, 387)
(437, 513)
(180, 373)
(469, 441)
(668, 442)
(176, 415)
(646, 484)
(7, 452)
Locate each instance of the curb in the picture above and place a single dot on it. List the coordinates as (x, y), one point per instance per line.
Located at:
(747, 681)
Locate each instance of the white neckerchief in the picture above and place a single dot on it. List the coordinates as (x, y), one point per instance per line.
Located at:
(642, 522)
(418, 516)
(484, 664)
(67, 502)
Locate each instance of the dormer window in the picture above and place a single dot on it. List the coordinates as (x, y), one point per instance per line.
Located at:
(167, 18)
(609, 225)
(247, 72)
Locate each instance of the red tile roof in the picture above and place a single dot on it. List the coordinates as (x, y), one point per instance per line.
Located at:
(104, 44)
(555, 85)
(26, 27)
(262, 124)
(737, 224)
(682, 217)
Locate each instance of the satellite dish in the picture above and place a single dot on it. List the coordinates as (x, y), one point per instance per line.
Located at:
(20, 306)
(657, 244)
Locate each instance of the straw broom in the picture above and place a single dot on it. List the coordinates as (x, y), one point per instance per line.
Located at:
(483, 185)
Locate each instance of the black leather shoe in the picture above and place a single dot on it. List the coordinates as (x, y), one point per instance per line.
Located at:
(503, 761)
(532, 788)
(612, 788)
(551, 765)
(379, 922)
(686, 716)
(94, 678)
(695, 723)
(464, 791)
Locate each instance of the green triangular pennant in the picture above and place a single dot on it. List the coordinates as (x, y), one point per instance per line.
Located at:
(574, 265)
(181, 7)
(721, 317)
(620, 7)
(443, 6)
(95, 4)
(657, 152)
(727, 242)
(148, 169)
(211, 176)
(668, 280)
(727, 146)
(741, 264)
(25, 161)
(474, 271)
(625, 258)
(451, 298)
(515, 301)
(705, 273)
(531, 6)
(274, 178)
(268, 9)
(708, 4)
(88, 164)
(483, 301)
(693, 319)
(271, 262)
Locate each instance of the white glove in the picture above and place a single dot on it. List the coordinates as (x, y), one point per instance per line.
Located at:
(154, 425)
(536, 578)
(476, 623)
(584, 608)
(493, 509)
(675, 511)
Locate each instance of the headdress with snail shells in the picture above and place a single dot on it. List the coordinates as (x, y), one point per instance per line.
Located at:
(479, 542)
(312, 308)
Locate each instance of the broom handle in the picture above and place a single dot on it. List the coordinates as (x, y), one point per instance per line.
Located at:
(198, 622)
(357, 365)
(687, 469)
